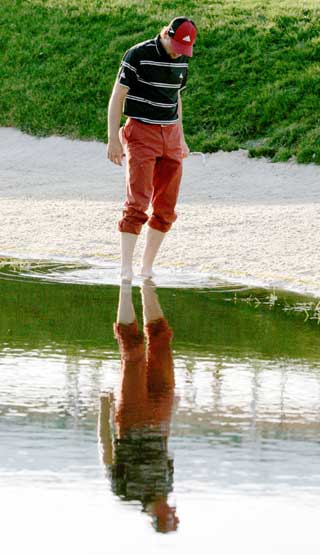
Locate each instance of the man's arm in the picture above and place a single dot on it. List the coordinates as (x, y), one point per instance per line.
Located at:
(105, 440)
(114, 146)
(185, 147)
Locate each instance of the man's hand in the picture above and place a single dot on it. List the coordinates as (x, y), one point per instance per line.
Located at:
(115, 151)
(114, 146)
(185, 149)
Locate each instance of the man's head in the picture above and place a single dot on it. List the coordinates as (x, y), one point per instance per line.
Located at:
(179, 37)
(163, 516)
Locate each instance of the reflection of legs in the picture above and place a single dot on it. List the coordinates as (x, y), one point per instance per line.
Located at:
(160, 387)
(126, 313)
(131, 405)
(152, 310)
(126, 325)
(159, 355)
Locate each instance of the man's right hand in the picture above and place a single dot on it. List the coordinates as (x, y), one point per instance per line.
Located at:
(115, 151)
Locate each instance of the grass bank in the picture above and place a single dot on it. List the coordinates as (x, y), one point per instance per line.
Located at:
(254, 80)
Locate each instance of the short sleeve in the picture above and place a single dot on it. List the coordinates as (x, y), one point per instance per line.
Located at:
(127, 75)
(184, 80)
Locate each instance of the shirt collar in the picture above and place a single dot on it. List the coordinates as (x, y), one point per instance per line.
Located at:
(161, 50)
(163, 54)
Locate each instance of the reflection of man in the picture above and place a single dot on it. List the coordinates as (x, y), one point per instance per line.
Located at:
(136, 457)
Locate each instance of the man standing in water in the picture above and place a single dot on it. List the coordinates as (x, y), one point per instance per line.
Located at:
(148, 86)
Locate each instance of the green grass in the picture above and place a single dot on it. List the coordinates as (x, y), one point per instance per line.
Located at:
(254, 80)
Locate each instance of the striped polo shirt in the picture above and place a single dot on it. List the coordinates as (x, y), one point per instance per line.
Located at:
(154, 80)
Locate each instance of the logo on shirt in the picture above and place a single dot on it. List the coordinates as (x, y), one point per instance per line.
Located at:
(187, 38)
(181, 76)
(123, 75)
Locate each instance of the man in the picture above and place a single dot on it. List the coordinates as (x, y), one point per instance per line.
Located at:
(149, 82)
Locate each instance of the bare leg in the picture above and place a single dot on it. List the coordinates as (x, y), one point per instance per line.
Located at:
(159, 354)
(132, 399)
(126, 313)
(104, 431)
(128, 243)
(153, 243)
(152, 310)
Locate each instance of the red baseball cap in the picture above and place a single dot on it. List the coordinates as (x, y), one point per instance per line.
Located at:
(182, 32)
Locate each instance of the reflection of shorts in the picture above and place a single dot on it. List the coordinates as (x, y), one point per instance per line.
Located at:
(130, 339)
(143, 470)
(153, 174)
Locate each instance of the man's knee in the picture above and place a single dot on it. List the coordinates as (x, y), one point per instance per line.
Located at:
(162, 222)
(132, 220)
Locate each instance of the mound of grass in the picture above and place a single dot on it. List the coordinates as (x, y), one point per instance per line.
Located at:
(254, 79)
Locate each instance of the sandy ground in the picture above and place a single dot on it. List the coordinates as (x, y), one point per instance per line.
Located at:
(239, 219)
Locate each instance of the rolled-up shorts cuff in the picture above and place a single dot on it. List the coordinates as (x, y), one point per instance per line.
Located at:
(132, 220)
(160, 225)
(127, 227)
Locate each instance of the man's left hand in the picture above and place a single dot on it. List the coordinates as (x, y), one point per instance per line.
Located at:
(185, 149)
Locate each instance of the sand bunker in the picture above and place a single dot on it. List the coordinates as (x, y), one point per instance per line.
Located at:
(239, 219)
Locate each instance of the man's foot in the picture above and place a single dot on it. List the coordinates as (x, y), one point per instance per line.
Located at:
(147, 273)
(126, 276)
(148, 282)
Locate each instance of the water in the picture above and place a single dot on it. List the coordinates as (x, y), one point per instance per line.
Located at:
(226, 460)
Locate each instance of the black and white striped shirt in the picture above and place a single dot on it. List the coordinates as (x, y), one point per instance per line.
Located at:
(154, 80)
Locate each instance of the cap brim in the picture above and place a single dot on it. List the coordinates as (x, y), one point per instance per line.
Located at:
(178, 48)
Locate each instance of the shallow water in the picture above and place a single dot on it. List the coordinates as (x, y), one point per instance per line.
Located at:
(229, 461)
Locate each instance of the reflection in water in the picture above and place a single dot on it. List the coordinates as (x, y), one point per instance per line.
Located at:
(136, 452)
(245, 428)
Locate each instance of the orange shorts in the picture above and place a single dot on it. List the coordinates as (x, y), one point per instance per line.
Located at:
(153, 174)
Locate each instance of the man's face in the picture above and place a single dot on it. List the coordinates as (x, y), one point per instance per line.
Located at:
(172, 53)
(167, 45)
